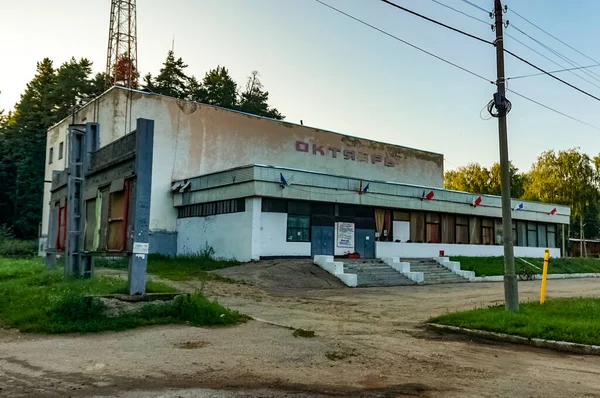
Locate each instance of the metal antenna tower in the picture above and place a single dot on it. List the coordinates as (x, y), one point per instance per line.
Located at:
(121, 57)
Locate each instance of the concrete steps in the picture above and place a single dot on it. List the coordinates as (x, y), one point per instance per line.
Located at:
(434, 273)
(375, 273)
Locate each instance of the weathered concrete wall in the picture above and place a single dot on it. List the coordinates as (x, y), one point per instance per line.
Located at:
(273, 239)
(193, 139)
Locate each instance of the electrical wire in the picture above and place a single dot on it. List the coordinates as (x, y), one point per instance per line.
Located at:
(550, 59)
(462, 12)
(405, 42)
(525, 45)
(476, 6)
(554, 110)
(554, 71)
(554, 37)
(437, 22)
(552, 76)
(564, 58)
(473, 73)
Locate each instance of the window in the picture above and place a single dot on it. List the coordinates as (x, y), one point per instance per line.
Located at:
(462, 229)
(60, 150)
(213, 208)
(487, 231)
(448, 228)
(432, 226)
(521, 234)
(475, 230)
(298, 228)
(401, 215)
(532, 240)
(50, 155)
(542, 236)
(270, 205)
(551, 235)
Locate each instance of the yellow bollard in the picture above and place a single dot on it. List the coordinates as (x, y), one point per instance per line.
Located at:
(544, 275)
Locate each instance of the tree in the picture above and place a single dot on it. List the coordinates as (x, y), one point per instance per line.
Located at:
(220, 88)
(254, 99)
(477, 179)
(195, 90)
(171, 80)
(566, 177)
(72, 87)
(124, 71)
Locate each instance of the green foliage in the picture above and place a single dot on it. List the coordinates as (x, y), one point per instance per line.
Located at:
(49, 97)
(574, 320)
(490, 266)
(216, 88)
(35, 300)
(255, 101)
(18, 248)
(475, 178)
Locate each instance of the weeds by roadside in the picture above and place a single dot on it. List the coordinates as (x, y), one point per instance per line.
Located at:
(490, 266)
(35, 300)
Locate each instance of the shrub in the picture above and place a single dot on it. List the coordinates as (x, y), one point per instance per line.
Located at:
(18, 248)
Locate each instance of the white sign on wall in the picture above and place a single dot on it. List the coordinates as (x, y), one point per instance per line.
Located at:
(345, 234)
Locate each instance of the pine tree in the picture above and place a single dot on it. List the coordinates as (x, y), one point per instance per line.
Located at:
(254, 99)
(220, 88)
(171, 80)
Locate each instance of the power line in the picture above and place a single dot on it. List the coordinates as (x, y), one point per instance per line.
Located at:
(553, 110)
(437, 22)
(553, 61)
(566, 59)
(404, 41)
(471, 72)
(554, 71)
(476, 6)
(525, 45)
(554, 37)
(462, 12)
(552, 76)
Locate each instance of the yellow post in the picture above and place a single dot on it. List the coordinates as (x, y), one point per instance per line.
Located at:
(544, 275)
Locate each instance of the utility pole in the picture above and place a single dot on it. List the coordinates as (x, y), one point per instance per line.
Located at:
(511, 291)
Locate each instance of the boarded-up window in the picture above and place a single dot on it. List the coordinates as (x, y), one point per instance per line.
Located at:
(475, 231)
(432, 225)
(62, 228)
(116, 221)
(448, 228)
(462, 229)
(417, 227)
(487, 231)
(90, 225)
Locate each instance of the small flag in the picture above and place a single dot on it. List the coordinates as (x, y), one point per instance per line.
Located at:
(282, 179)
(477, 201)
(553, 211)
(519, 207)
(429, 196)
(366, 188)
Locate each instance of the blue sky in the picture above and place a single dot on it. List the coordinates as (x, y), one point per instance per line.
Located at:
(337, 74)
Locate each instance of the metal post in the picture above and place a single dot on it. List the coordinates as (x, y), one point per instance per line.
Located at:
(141, 206)
(581, 236)
(511, 292)
(564, 245)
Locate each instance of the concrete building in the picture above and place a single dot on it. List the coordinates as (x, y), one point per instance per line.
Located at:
(251, 188)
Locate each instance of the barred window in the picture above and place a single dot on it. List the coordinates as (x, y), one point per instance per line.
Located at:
(213, 208)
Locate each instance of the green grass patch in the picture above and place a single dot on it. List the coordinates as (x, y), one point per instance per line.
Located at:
(33, 299)
(490, 266)
(178, 268)
(576, 320)
(18, 248)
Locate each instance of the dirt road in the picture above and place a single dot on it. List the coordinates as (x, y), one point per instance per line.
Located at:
(370, 343)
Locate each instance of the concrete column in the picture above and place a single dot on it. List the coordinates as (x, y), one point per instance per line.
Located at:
(254, 205)
(141, 207)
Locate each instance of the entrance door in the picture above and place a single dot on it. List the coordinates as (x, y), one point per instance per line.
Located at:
(364, 242)
(322, 240)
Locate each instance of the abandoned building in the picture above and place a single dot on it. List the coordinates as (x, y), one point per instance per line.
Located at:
(250, 187)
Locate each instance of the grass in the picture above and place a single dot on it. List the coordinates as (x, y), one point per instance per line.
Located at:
(575, 320)
(303, 333)
(489, 266)
(18, 248)
(179, 268)
(33, 299)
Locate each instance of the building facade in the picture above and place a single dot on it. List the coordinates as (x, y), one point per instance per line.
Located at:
(250, 187)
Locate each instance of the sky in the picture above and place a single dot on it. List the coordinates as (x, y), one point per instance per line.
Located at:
(337, 74)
